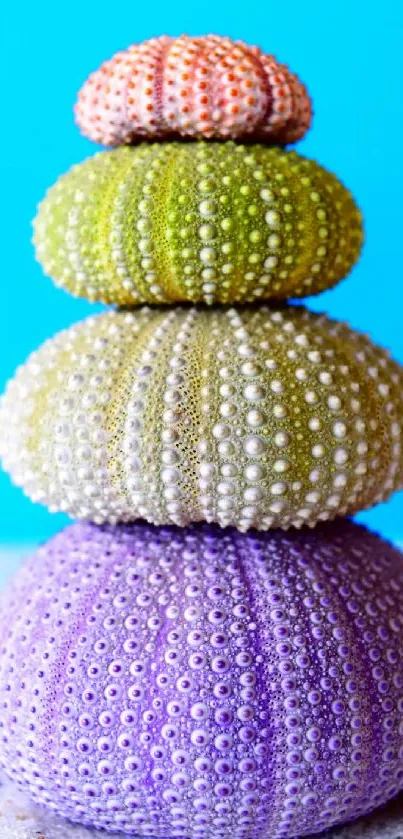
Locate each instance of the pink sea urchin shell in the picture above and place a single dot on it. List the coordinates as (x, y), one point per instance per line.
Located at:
(207, 684)
(207, 87)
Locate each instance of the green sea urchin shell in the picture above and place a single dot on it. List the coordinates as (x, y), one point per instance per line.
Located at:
(212, 222)
(252, 417)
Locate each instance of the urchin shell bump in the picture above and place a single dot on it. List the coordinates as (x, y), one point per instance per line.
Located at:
(208, 87)
(198, 222)
(208, 684)
(251, 417)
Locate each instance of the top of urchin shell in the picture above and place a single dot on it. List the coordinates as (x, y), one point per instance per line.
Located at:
(205, 87)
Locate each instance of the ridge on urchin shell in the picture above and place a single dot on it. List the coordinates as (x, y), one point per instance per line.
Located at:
(253, 417)
(208, 684)
(197, 222)
(204, 87)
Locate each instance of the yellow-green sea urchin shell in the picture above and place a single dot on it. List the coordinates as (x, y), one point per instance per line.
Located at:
(253, 417)
(211, 222)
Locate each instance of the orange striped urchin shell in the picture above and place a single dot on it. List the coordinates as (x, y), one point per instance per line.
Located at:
(194, 87)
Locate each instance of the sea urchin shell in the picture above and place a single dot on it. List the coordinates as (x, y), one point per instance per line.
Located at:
(208, 87)
(21, 818)
(218, 223)
(253, 417)
(205, 684)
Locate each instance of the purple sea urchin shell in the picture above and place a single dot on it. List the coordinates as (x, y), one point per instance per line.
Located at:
(204, 683)
(21, 819)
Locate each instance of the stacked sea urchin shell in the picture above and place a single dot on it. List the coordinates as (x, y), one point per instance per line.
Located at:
(168, 678)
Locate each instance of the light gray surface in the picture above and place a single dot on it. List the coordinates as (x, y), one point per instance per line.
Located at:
(21, 820)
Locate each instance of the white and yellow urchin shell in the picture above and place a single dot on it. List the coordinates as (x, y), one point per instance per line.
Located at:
(254, 417)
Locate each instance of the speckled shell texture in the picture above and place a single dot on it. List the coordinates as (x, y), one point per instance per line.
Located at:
(21, 819)
(212, 222)
(200, 683)
(208, 87)
(252, 417)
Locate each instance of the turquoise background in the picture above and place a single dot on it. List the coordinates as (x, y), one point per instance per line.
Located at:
(349, 54)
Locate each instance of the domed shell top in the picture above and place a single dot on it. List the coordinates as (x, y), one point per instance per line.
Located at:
(218, 223)
(250, 417)
(206, 87)
(202, 683)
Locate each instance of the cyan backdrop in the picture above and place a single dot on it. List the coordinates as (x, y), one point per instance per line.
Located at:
(348, 52)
